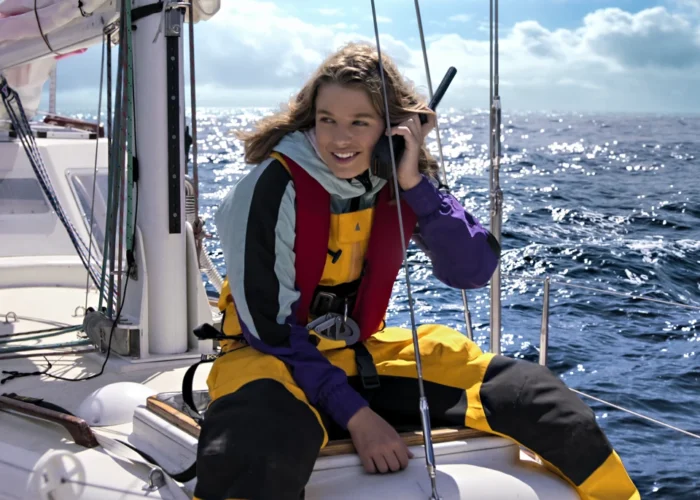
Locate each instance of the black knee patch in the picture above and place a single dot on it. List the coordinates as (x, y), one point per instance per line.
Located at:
(260, 442)
(397, 401)
(529, 403)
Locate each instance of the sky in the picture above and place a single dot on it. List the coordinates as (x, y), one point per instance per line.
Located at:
(554, 55)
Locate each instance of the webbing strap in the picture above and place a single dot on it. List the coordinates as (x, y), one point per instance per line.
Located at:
(365, 366)
(181, 477)
(187, 381)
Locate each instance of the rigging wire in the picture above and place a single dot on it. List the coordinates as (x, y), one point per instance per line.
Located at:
(495, 192)
(94, 171)
(465, 301)
(193, 103)
(423, 401)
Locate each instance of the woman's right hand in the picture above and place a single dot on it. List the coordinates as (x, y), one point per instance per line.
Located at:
(379, 446)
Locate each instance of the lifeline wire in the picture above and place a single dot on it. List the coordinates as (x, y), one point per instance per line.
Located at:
(424, 410)
(639, 415)
(568, 284)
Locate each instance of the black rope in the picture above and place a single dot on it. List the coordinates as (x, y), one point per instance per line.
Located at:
(41, 31)
(13, 374)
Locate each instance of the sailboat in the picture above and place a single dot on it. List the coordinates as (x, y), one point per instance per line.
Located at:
(102, 287)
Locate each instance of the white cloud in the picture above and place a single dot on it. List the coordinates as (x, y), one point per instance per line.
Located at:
(650, 38)
(689, 5)
(460, 18)
(615, 60)
(330, 12)
(344, 26)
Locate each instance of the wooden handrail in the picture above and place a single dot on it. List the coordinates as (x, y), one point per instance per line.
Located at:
(77, 427)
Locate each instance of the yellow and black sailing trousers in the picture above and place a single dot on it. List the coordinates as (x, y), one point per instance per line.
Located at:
(261, 437)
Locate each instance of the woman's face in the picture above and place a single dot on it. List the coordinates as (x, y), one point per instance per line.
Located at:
(347, 128)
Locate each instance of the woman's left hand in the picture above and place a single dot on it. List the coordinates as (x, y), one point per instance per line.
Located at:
(414, 135)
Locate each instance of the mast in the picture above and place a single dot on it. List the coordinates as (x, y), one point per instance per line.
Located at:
(159, 130)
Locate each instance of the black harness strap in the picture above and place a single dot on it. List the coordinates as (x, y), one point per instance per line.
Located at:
(181, 477)
(365, 366)
(204, 331)
(187, 395)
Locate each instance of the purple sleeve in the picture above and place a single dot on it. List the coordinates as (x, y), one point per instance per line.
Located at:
(324, 384)
(464, 254)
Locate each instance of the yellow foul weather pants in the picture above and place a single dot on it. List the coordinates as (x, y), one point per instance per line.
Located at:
(260, 437)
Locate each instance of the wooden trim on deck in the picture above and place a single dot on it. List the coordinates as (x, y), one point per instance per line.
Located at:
(339, 447)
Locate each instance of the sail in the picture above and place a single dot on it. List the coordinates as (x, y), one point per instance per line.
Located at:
(19, 22)
(28, 54)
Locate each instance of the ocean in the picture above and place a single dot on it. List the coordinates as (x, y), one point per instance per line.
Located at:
(607, 202)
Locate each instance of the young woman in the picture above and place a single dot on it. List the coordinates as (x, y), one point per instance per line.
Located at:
(312, 233)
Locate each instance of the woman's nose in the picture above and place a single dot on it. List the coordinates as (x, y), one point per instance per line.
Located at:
(342, 136)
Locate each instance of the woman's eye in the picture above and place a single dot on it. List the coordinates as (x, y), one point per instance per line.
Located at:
(360, 123)
(325, 119)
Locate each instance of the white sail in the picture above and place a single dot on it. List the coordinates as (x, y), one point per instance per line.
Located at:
(19, 22)
(27, 60)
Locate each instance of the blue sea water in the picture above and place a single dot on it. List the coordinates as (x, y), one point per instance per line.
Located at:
(607, 202)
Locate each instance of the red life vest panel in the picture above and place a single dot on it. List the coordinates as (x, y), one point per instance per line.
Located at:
(383, 258)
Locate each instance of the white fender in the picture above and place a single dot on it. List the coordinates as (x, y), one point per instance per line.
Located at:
(113, 404)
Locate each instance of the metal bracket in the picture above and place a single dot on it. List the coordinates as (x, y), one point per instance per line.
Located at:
(156, 480)
(173, 23)
(125, 337)
(174, 16)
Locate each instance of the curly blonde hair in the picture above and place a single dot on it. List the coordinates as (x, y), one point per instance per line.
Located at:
(354, 65)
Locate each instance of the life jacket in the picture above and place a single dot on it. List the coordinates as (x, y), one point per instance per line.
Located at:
(332, 250)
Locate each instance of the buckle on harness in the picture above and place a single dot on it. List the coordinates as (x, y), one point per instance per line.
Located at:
(323, 302)
(334, 326)
(335, 300)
